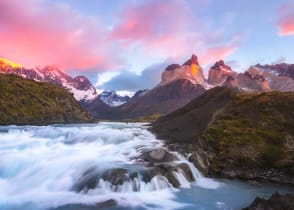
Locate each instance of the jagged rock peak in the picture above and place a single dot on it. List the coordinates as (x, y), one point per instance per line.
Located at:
(190, 70)
(219, 72)
(220, 65)
(192, 60)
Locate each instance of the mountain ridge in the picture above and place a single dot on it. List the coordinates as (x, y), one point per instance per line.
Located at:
(79, 86)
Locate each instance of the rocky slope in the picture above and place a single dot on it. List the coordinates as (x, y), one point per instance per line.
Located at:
(247, 136)
(139, 93)
(161, 100)
(99, 109)
(80, 86)
(28, 102)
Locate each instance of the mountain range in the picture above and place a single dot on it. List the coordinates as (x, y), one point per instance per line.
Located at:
(180, 83)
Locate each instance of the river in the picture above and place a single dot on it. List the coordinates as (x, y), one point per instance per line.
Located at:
(41, 167)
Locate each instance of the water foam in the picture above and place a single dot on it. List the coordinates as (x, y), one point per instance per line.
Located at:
(40, 165)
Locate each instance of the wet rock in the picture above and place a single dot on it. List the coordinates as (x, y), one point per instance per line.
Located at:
(172, 179)
(116, 176)
(200, 161)
(275, 202)
(158, 156)
(105, 204)
(168, 170)
(187, 172)
(88, 180)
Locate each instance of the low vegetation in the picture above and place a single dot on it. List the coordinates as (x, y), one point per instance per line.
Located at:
(249, 136)
(25, 101)
(255, 130)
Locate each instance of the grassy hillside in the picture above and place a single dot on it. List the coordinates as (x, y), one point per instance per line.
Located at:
(254, 131)
(25, 101)
(248, 136)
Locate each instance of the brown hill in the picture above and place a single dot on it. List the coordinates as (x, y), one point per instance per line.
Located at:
(25, 101)
(249, 136)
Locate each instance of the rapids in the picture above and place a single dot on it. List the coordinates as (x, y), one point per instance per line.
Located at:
(41, 167)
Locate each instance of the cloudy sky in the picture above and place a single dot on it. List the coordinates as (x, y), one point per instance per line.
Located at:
(125, 44)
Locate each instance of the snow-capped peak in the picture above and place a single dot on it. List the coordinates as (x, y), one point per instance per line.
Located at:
(80, 86)
(111, 98)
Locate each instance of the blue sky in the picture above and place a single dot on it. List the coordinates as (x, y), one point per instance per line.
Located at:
(125, 44)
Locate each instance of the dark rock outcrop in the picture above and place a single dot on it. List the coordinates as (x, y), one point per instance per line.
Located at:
(275, 202)
(116, 176)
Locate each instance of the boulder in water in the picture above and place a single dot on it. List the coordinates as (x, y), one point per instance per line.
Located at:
(158, 156)
(116, 176)
(168, 170)
(187, 171)
(88, 180)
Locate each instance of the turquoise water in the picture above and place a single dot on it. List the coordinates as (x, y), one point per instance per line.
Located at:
(39, 165)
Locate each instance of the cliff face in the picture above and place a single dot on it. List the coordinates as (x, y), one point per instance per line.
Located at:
(28, 102)
(248, 136)
(190, 70)
(219, 72)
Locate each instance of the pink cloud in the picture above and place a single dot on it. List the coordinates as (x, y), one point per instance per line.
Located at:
(36, 32)
(213, 54)
(170, 29)
(286, 20)
(40, 32)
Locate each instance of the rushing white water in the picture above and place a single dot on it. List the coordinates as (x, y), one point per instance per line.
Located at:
(41, 167)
